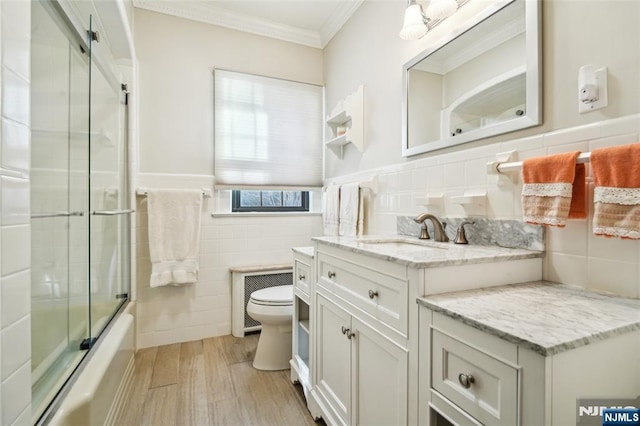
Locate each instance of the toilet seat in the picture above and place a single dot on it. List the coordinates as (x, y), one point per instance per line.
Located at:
(273, 296)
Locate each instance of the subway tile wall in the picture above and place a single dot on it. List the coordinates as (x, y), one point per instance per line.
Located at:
(15, 287)
(573, 254)
(177, 314)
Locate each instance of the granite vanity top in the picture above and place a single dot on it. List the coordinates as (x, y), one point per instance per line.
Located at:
(307, 251)
(546, 317)
(430, 255)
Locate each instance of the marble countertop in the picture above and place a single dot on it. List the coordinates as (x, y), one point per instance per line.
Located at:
(545, 317)
(418, 253)
(307, 251)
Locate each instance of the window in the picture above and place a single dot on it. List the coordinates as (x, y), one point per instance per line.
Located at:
(269, 201)
(268, 137)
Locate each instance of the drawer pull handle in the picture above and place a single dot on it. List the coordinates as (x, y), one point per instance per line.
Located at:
(372, 294)
(301, 277)
(331, 274)
(347, 332)
(466, 380)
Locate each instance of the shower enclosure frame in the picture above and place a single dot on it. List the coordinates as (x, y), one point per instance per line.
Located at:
(106, 212)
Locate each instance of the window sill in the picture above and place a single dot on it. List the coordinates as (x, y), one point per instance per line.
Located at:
(265, 214)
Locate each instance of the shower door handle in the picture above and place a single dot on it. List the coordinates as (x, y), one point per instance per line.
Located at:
(55, 214)
(112, 212)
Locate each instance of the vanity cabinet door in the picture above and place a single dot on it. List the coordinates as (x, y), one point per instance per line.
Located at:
(334, 358)
(380, 387)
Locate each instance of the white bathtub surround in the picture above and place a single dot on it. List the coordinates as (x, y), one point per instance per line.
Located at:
(101, 389)
(15, 228)
(546, 317)
(484, 231)
(174, 235)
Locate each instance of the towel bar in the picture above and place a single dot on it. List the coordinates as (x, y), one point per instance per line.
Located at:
(206, 193)
(371, 185)
(517, 165)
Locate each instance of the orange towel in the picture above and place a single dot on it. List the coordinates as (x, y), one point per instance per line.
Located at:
(554, 189)
(616, 174)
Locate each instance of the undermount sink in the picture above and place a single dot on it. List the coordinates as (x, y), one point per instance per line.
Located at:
(403, 243)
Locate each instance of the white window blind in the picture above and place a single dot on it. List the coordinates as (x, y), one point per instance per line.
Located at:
(268, 132)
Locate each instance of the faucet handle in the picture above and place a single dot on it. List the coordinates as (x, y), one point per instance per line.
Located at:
(461, 235)
(424, 232)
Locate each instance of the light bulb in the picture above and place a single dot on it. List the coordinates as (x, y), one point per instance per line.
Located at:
(414, 26)
(441, 9)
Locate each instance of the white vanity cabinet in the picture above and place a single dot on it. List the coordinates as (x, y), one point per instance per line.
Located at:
(364, 318)
(303, 285)
(362, 374)
(526, 363)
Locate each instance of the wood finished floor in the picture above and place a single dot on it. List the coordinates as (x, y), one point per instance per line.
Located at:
(211, 382)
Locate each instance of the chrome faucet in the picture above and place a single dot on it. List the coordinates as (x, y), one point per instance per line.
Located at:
(438, 228)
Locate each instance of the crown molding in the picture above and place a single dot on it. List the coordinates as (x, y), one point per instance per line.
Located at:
(210, 13)
(337, 20)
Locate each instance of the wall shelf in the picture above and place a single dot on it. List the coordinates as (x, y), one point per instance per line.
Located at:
(346, 124)
(433, 200)
(470, 199)
(338, 141)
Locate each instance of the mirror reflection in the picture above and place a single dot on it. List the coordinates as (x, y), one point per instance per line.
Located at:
(482, 82)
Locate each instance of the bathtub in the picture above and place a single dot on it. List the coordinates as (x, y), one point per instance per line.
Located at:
(97, 395)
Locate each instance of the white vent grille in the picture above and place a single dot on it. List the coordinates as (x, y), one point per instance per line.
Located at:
(245, 283)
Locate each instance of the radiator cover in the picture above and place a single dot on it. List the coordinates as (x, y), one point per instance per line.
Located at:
(243, 284)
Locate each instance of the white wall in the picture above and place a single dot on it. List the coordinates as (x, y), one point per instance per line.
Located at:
(15, 285)
(176, 84)
(176, 151)
(574, 255)
(368, 51)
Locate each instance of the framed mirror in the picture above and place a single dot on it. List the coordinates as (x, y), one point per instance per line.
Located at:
(483, 80)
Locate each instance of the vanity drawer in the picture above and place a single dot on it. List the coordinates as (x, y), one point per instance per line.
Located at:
(380, 295)
(483, 386)
(302, 276)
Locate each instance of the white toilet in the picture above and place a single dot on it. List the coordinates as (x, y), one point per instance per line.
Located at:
(273, 307)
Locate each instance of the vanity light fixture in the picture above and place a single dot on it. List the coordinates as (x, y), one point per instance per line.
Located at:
(415, 23)
(441, 9)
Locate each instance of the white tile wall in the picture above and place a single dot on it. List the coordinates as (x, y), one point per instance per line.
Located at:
(574, 255)
(177, 314)
(15, 325)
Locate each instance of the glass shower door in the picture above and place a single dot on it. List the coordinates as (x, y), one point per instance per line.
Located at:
(79, 192)
(108, 197)
(59, 225)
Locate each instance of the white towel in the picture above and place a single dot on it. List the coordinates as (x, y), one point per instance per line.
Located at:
(174, 235)
(331, 210)
(351, 210)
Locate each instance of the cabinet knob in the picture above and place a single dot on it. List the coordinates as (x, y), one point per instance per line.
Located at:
(331, 274)
(372, 294)
(347, 332)
(466, 380)
(301, 277)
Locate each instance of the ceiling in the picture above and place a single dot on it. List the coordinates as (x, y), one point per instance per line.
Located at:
(308, 22)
